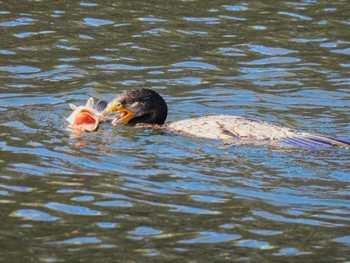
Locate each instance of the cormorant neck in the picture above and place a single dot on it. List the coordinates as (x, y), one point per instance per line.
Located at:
(157, 116)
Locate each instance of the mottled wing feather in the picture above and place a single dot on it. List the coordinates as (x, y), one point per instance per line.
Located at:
(226, 128)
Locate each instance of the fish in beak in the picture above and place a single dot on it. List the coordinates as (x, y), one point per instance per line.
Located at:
(88, 117)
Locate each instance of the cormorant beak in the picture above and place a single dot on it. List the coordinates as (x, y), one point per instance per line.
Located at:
(124, 116)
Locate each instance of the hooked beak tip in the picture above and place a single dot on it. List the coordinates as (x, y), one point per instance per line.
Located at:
(109, 109)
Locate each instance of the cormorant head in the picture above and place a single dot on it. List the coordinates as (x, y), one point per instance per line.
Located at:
(138, 106)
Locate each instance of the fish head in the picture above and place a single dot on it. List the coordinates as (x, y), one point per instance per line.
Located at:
(85, 118)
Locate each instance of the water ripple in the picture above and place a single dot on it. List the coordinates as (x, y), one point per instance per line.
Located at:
(114, 203)
(79, 241)
(19, 69)
(304, 221)
(294, 15)
(271, 51)
(36, 215)
(72, 209)
(195, 65)
(151, 195)
(210, 237)
(97, 22)
(20, 21)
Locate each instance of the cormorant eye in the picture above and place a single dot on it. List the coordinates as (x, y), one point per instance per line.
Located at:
(118, 105)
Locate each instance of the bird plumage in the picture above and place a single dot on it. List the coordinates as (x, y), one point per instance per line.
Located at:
(239, 129)
(140, 106)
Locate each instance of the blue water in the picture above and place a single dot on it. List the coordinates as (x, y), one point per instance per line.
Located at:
(125, 194)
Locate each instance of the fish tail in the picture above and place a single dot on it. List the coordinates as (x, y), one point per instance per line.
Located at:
(101, 105)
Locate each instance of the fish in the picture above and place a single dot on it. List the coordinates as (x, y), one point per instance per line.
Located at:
(87, 118)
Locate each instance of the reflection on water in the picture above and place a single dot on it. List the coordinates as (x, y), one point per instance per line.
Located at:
(139, 194)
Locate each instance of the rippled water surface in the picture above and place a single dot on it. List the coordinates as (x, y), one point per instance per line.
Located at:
(125, 194)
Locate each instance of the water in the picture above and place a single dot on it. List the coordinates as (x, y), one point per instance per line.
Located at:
(125, 194)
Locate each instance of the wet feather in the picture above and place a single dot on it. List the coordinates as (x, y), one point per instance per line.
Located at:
(142, 106)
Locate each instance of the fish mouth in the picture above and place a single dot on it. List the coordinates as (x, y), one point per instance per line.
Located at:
(84, 120)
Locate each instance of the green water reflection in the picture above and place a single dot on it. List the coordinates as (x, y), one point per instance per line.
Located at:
(131, 195)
